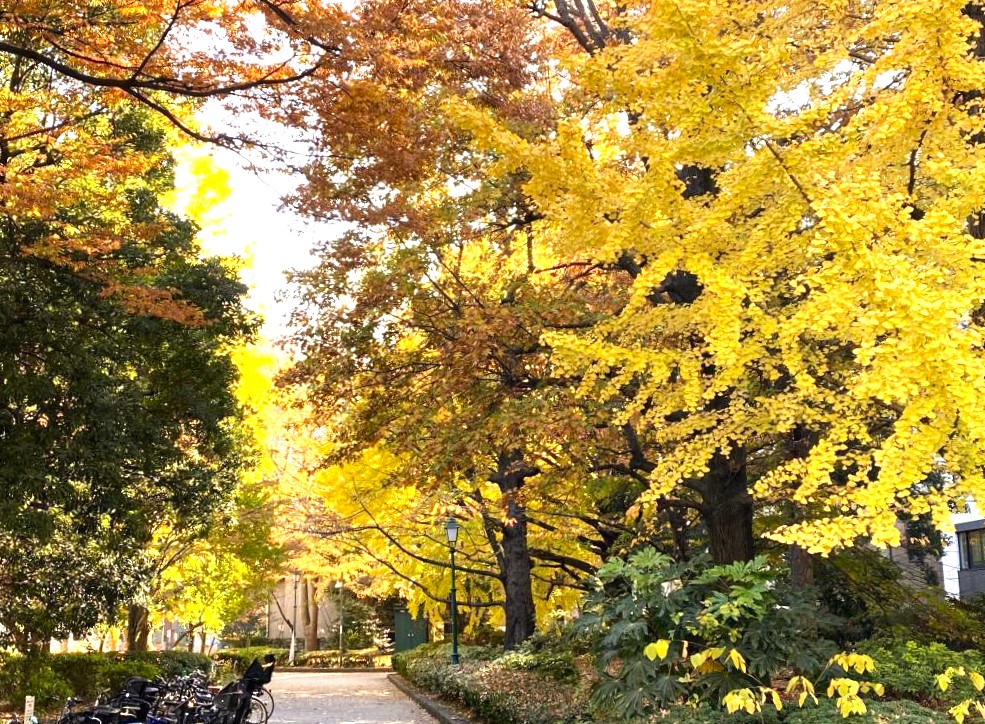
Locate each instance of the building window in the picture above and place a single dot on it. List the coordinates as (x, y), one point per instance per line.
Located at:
(974, 548)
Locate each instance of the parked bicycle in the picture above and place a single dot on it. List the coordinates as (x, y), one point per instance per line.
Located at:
(181, 700)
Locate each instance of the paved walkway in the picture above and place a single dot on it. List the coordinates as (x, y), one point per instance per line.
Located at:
(329, 698)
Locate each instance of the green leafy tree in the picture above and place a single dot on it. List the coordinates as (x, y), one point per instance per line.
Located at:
(110, 419)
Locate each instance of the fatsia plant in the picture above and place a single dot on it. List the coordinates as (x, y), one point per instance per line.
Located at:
(665, 632)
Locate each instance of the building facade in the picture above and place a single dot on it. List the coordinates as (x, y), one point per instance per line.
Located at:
(964, 556)
(285, 606)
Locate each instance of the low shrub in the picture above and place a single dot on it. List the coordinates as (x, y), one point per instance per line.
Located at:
(704, 714)
(22, 676)
(499, 689)
(554, 664)
(825, 712)
(90, 675)
(239, 659)
(513, 688)
(882, 712)
(51, 678)
(909, 669)
(172, 663)
(358, 659)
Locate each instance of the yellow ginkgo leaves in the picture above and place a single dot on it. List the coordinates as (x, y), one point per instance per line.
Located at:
(840, 280)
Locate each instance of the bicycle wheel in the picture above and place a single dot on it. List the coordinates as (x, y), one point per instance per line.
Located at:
(264, 696)
(257, 713)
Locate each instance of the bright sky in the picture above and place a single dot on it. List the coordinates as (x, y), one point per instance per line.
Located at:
(250, 223)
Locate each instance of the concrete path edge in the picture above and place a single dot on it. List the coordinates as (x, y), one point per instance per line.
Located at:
(435, 708)
(330, 670)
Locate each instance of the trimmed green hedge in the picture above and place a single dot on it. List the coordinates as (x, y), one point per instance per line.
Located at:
(172, 663)
(235, 661)
(358, 659)
(51, 678)
(511, 689)
(239, 659)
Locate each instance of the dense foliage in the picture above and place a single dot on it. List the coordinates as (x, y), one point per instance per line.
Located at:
(52, 679)
(695, 609)
(114, 421)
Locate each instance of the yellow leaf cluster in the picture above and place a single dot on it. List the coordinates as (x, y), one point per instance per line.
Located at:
(841, 281)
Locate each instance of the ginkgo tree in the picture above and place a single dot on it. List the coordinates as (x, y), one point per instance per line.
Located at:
(290, 451)
(786, 188)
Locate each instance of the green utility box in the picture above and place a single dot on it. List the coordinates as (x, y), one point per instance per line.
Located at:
(408, 632)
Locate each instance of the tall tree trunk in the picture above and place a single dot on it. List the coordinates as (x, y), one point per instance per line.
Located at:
(138, 627)
(520, 612)
(727, 507)
(521, 621)
(309, 615)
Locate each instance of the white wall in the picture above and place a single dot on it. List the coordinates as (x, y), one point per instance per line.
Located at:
(951, 560)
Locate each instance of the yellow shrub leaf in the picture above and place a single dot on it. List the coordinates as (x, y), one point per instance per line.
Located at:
(657, 650)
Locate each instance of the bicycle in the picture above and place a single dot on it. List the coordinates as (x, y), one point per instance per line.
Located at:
(264, 696)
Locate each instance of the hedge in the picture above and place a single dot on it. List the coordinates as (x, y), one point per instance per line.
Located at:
(239, 659)
(358, 659)
(497, 689)
(51, 678)
(548, 688)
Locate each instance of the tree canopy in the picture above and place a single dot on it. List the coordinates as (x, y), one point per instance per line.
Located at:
(113, 420)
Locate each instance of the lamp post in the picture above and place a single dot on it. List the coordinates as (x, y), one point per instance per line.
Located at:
(339, 586)
(294, 621)
(451, 531)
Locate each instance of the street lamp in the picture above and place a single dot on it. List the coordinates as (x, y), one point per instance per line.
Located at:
(338, 585)
(451, 531)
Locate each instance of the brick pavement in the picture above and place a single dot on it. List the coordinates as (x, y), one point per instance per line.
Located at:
(343, 698)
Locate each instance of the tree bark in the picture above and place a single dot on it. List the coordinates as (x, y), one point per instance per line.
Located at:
(309, 615)
(520, 612)
(801, 567)
(801, 562)
(521, 621)
(726, 508)
(138, 627)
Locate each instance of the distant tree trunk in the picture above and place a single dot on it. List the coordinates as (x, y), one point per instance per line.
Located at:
(801, 567)
(515, 555)
(800, 561)
(138, 627)
(190, 633)
(727, 507)
(309, 615)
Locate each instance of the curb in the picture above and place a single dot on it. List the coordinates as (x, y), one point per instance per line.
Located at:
(439, 711)
(332, 670)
